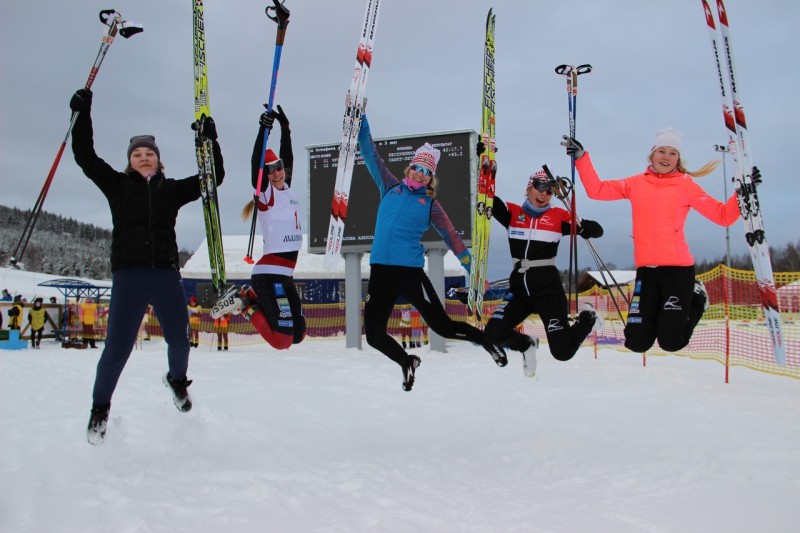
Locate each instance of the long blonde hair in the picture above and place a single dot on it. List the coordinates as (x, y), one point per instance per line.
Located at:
(247, 210)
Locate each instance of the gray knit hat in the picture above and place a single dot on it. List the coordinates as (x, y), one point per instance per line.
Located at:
(143, 141)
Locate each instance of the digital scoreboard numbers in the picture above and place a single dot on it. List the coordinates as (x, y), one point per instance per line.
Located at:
(456, 174)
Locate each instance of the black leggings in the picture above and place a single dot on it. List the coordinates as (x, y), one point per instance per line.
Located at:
(664, 307)
(563, 339)
(386, 284)
(281, 305)
(36, 336)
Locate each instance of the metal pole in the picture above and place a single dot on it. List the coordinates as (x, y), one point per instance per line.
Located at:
(724, 149)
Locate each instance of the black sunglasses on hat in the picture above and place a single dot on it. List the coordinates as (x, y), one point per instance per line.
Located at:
(274, 166)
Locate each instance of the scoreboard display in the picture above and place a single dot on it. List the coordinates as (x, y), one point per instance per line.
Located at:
(456, 173)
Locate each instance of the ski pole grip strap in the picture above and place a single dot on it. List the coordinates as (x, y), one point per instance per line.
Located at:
(281, 15)
(583, 69)
(105, 14)
(130, 29)
(564, 70)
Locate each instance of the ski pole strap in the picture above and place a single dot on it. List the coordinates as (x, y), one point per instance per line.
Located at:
(106, 14)
(281, 14)
(521, 265)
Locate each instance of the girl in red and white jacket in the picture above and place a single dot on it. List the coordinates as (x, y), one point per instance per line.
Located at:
(667, 301)
(534, 286)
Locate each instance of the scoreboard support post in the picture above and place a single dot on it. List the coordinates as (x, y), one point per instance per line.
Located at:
(352, 303)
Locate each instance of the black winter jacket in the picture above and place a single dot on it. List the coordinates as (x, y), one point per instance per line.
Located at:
(143, 213)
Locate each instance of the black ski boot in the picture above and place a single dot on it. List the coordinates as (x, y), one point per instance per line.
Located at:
(180, 396)
(98, 420)
(497, 353)
(408, 371)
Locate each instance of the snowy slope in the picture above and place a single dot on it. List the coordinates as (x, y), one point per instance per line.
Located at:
(322, 439)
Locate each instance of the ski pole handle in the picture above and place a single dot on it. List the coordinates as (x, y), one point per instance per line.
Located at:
(564, 70)
(583, 69)
(104, 14)
(281, 15)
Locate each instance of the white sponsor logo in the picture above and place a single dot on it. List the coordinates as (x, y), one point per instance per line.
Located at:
(554, 325)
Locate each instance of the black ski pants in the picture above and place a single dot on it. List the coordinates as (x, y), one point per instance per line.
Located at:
(563, 339)
(386, 284)
(664, 308)
(280, 302)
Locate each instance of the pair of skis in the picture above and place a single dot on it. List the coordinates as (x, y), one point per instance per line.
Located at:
(355, 101)
(484, 202)
(113, 24)
(733, 113)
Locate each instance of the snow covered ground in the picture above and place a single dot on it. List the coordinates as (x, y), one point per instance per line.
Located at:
(322, 439)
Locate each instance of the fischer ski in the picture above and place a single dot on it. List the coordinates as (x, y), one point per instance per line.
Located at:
(204, 149)
(114, 24)
(487, 173)
(746, 178)
(355, 101)
(281, 16)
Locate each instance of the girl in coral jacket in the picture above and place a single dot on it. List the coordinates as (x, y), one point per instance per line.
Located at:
(272, 304)
(408, 207)
(667, 301)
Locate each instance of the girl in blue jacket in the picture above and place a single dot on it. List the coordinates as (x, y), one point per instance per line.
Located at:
(407, 208)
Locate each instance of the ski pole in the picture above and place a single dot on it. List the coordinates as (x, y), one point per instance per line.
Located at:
(114, 23)
(572, 73)
(281, 16)
(563, 189)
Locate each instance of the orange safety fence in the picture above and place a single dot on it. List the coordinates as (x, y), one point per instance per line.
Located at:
(732, 332)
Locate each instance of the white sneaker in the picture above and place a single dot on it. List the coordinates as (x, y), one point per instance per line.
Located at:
(599, 321)
(231, 302)
(529, 357)
(700, 291)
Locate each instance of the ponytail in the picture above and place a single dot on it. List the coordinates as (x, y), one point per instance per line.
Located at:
(705, 170)
(247, 210)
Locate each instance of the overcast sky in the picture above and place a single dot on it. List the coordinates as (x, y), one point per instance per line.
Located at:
(652, 62)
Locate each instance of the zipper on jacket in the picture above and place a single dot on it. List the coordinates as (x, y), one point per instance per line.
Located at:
(150, 224)
(534, 221)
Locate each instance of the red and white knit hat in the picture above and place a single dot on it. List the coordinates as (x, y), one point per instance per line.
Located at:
(427, 156)
(540, 175)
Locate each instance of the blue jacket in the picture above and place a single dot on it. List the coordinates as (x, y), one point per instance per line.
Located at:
(404, 214)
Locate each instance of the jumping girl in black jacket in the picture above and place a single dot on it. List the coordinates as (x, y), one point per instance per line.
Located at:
(144, 256)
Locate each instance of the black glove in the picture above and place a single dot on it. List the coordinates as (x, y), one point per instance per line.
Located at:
(756, 176)
(208, 128)
(480, 148)
(590, 229)
(574, 148)
(281, 116)
(266, 120)
(81, 101)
